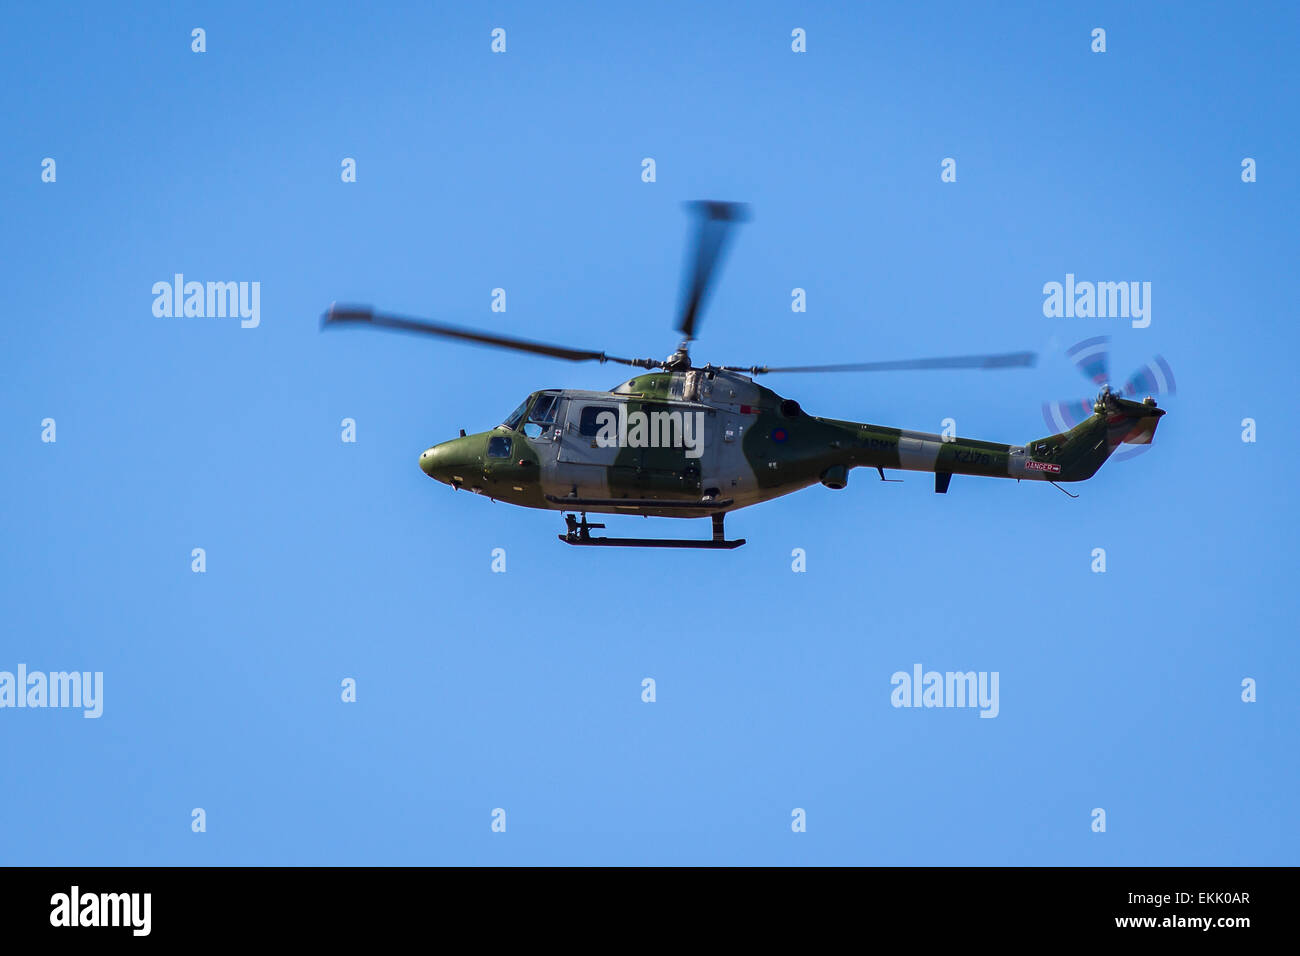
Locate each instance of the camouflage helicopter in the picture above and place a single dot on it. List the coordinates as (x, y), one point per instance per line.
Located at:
(688, 441)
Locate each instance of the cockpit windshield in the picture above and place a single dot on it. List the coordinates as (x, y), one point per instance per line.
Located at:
(517, 416)
(544, 406)
(542, 417)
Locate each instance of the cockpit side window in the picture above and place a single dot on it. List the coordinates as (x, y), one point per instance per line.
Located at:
(543, 409)
(591, 421)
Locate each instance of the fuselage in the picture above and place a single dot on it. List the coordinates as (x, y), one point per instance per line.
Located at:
(703, 434)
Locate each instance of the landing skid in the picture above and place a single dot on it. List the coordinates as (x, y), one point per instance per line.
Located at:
(579, 533)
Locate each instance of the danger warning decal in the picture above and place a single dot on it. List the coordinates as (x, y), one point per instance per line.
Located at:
(1042, 466)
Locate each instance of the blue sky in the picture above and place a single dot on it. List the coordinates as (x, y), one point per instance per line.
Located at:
(522, 690)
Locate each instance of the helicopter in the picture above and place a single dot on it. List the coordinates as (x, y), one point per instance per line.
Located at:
(685, 441)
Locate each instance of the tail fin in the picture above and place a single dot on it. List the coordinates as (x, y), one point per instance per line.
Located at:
(1075, 455)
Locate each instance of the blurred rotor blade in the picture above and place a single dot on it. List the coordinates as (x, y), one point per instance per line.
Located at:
(1092, 358)
(1062, 416)
(1154, 378)
(1009, 360)
(715, 221)
(341, 314)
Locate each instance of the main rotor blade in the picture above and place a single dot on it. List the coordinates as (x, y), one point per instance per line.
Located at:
(339, 314)
(715, 220)
(1009, 360)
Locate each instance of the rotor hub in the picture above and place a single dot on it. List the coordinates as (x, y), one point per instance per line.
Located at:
(680, 360)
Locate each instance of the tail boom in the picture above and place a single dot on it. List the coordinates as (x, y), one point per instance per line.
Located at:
(1073, 455)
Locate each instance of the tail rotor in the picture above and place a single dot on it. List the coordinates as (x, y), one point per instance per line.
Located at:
(1092, 358)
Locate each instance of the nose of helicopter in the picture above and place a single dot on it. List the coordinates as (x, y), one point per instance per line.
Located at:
(445, 462)
(428, 459)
